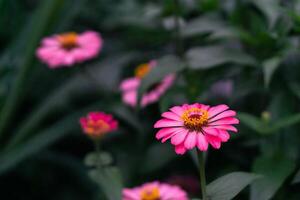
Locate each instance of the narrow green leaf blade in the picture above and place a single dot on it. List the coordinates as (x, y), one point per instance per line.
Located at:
(228, 186)
(275, 170)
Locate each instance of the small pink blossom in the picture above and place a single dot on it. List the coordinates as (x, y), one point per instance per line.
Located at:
(97, 124)
(196, 125)
(155, 191)
(129, 86)
(67, 49)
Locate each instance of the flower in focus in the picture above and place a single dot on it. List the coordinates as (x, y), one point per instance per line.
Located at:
(196, 125)
(155, 191)
(129, 87)
(97, 124)
(67, 49)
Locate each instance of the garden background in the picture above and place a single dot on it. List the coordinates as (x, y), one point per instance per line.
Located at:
(243, 53)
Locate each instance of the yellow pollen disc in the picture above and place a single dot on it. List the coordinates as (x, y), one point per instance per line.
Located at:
(68, 40)
(142, 70)
(150, 194)
(195, 118)
(97, 127)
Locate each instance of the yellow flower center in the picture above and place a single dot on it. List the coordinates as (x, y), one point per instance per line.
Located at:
(68, 40)
(150, 194)
(195, 118)
(96, 128)
(142, 70)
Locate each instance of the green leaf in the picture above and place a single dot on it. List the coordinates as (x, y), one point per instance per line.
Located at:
(252, 122)
(275, 171)
(296, 178)
(295, 88)
(285, 122)
(213, 56)
(209, 24)
(41, 18)
(153, 162)
(165, 66)
(91, 159)
(228, 186)
(269, 67)
(109, 180)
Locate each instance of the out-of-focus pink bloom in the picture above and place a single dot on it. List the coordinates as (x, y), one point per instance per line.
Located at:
(187, 182)
(97, 124)
(67, 49)
(129, 86)
(155, 191)
(196, 125)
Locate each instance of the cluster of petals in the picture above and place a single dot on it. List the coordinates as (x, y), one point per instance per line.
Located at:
(154, 191)
(97, 124)
(67, 49)
(196, 125)
(129, 86)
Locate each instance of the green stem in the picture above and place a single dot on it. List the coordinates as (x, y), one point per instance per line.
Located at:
(202, 174)
(98, 160)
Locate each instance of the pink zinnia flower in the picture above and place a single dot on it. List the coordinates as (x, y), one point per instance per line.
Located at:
(196, 125)
(97, 124)
(155, 191)
(67, 49)
(129, 87)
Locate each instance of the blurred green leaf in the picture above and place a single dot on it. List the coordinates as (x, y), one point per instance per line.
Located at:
(295, 88)
(209, 24)
(228, 186)
(213, 56)
(252, 122)
(41, 17)
(153, 162)
(275, 171)
(296, 178)
(109, 180)
(166, 65)
(91, 159)
(269, 67)
(270, 8)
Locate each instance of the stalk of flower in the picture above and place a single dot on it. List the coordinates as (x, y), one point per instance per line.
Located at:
(197, 126)
(129, 87)
(70, 48)
(96, 125)
(154, 191)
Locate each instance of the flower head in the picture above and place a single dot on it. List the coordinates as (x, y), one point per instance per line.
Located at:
(196, 125)
(97, 124)
(155, 191)
(129, 86)
(67, 49)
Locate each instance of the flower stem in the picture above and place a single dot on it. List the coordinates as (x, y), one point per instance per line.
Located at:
(98, 160)
(202, 174)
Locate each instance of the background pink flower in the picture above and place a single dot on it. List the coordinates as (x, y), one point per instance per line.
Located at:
(97, 124)
(68, 49)
(155, 191)
(129, 86)
(196, 125)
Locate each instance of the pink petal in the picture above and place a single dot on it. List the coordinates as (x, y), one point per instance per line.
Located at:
(170, 135)
(171, 115)
(217, 109)
(130, 83)
(225, 127)
(215, 142)
(180, 149)
(223, 135)
(211, 131)
(179, 137)
(202, 144)
(228, 113)
(177, 110)
(167, 123)
(165, 132)
(191, 140)
(228, 120)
